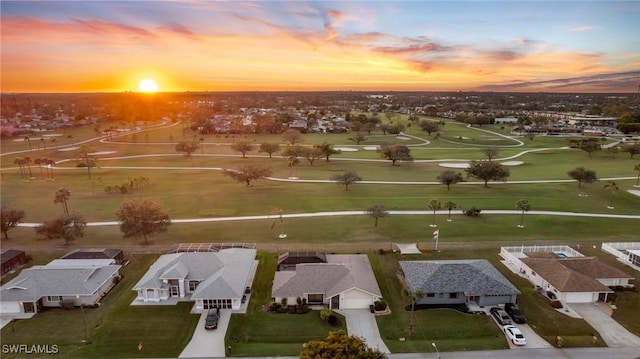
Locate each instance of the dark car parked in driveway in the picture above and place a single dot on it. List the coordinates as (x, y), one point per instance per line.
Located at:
(515, 313)
(501, 316)
(211, 322)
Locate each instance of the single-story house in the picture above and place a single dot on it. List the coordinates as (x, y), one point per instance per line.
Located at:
(343, 282)
(96, 253)
(574, 279)
(12, 259)
(564, 273)
(626, 252)
(48, 285)
(473, 281)
(211, 279)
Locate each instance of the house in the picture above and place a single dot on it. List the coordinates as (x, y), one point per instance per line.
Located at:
(626, 252)
(211, 279)
(48, 285)
(565, 274)
(343, 282)
(96, 253)
(473, 281)
(12, 259)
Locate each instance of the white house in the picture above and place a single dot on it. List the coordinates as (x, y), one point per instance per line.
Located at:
(564, 273)
(210, 279)
(48, 285)
(343, 282)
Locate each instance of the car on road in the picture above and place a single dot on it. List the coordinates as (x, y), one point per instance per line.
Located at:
(501, 316)
(514, 334)
(211, 322)
(515, 312)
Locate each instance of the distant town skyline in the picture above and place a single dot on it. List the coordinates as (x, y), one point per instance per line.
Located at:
(197, 45)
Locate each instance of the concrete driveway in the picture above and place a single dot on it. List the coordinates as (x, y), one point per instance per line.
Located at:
(208, 343)
(533, 339)
(613, 334)
(362, 323)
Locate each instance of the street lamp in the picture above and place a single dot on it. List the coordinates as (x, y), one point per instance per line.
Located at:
(436, 348)
(87, 340)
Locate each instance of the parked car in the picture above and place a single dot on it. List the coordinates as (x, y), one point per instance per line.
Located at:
(211, 322)
(501, 316)
(516, 314)
(514, 334)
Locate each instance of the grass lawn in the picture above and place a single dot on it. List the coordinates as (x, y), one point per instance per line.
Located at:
(258, 333)
(115, 328)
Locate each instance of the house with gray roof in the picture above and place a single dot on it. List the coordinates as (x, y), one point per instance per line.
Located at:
(473, 281)
(48, 285)
(210, 279)
(343, 282)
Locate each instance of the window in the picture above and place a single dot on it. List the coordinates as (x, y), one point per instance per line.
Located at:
(219, 303)
(431, 295)
(453, 295)
(54, 298)
(315, 298)
(193, 284)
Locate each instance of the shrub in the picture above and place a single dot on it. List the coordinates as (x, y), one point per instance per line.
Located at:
(555, 304)
(472, 212)
(380, 305)
(333, 320)
(284, 302)
(274, 306)
(325, 314)
(67, 304)
(381, 250)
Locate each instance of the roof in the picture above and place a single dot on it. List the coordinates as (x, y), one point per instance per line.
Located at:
(222, 274)
(339, 274)
(9, 254)
(575, 274)
(39, 281)
(472, 277)
(92, 253)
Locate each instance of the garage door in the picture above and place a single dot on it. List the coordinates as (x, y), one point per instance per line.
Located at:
(355, 299)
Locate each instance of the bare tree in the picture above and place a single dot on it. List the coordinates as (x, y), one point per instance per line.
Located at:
(10, 218)
(243, 147)
(248, 173)
(491, 152)
(347, 178)
(449, 177)
(141, 217)
(269, 148)
(376, 212)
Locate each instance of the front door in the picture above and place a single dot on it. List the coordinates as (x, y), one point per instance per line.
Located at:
(335, 302)
(29, 307)
(175, 291)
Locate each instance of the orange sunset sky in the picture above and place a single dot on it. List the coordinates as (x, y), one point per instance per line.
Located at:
(110, 46)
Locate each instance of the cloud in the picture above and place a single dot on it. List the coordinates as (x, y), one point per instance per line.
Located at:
(625, 81)
(582, 28)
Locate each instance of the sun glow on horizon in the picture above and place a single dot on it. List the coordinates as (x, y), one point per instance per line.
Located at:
(148, 85)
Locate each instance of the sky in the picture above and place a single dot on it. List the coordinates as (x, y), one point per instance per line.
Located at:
(198, 45)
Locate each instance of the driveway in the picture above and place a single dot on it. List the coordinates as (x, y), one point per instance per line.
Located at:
(362, 323)
(533, 339)
(208, 343)
(613, 334)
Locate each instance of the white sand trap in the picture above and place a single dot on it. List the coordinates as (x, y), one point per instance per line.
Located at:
(346, 149)
(52, 135)
(512, 163)
(634, 192)
(371, 148)
(403, 138)
(454, 165)
(102, 153)
(68, 149)
(30, 138)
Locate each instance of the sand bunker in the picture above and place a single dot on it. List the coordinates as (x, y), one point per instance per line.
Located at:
(634, 192)
(454, 165)
(66, 149)
(52, 135)
(403, 138)
(346, 149)
(102, 153)
(371, 148)
(30, 139)
(512, 163)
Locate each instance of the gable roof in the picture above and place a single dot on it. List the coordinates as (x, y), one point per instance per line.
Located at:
(339, 274)
(575, 274)
(221, 274)
(472, 277)
(39, 281)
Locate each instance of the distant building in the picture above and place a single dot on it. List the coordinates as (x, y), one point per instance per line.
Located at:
(96, 253)
(505, 120)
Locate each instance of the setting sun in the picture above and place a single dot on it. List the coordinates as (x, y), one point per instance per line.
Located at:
(148, 85)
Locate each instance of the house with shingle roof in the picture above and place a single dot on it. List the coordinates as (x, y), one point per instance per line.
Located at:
(210, 279)
(564, 273)
(473, 281)
(343, 282)
(48, 285)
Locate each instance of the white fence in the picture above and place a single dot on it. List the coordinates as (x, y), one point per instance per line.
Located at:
(616, 248)
(518, 251)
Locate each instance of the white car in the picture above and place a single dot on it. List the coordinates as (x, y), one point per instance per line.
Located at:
(514, 334)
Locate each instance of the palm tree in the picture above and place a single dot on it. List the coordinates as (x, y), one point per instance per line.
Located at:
(62, 196)
(449, 206)
(524, 206)
(613, 187)
(20, 162)
(27, 161)
(49, 164)
(413, 296)
(637, 169)
(39, 161)
(434, 205)
(26, 138)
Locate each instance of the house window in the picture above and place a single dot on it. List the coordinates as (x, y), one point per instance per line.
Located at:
(431, 295)
(193, 284)
(219, 303)
(54, 298)
(315, 298)
(453, 295)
